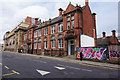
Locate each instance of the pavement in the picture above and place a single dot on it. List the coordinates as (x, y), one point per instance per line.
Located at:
(72, 60)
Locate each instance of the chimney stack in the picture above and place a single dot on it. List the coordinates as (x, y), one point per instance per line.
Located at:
(60, 11)
(113, 33)
(36, 21)
(104, 34)
(86, 2)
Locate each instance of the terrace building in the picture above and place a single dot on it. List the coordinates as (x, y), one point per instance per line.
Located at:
(60, 35)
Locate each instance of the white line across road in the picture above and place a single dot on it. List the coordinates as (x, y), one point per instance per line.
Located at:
(60, 68)
(75, 68)
(40, 61)
(0, 63)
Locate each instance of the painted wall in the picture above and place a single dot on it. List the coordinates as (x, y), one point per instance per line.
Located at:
(96, 53)
(87, 41)
(114, 52)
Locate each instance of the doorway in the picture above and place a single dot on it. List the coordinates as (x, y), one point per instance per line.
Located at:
(70, 47)
(29, 49)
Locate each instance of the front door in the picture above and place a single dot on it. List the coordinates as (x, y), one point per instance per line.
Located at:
(29, 49)
(70, 47)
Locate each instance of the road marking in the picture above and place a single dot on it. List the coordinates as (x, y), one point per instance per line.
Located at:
(43, 72)
(13, 72)
(60, 68)
(40, 61)
(75, 68)
(99, 66)
(6, 67)
(8, 74)
(0, 63)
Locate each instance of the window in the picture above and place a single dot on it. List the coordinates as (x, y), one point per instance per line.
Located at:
(39, 32)
(68, 18)
(60, 43)
(46, 31)
(72, 17)
(60, 27)
(35, 34)
(53, 29)
(72, 22)
(24, 47)
(35, 44)
(68, 25)
(33, 21)
(39, 45)
(45, 44)
(25, 36)
(53, 43)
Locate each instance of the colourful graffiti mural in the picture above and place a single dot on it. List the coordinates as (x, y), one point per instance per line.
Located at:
(114, 53)
(96, 53)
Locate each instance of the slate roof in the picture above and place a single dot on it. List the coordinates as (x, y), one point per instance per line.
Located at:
(103, 41)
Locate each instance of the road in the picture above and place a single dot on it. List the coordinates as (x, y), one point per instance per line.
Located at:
(22, 66)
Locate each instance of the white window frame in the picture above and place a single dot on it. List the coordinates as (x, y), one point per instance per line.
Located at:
(39, 45)
(45, 44)
(53, 43)
(60, 27)
(60, 43)
(46, 31)
(40, 32)
(35, 34)
(72, 24)
(53, 29)
(69, 25)
(25, 36)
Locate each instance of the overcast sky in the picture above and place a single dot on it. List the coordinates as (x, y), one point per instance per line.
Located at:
(12, 12)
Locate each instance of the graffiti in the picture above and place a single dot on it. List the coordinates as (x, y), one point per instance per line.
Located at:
(96, 53)
(114, 53)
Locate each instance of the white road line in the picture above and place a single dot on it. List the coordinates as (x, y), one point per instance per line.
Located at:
(0, 63)
(60, 68)
(40, 61)
(42, 72)
(76, 68)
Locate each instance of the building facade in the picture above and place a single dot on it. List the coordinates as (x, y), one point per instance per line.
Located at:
(60, 35)
(13, 40)
(57, 36)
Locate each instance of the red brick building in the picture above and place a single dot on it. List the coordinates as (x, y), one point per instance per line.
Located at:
(60, 35)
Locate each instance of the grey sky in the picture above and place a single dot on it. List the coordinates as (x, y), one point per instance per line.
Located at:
(12, 12)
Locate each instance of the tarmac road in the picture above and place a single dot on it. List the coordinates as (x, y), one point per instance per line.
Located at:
(22, 66)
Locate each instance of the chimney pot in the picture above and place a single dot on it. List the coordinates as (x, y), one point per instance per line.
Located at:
(60, 11)
(36, 20)
(86, 2)
(113, 33)
(104, 34)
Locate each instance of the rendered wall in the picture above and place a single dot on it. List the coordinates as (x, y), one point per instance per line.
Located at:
(87, 41)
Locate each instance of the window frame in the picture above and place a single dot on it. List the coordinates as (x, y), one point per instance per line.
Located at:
(39, 45)
(45, 44)
(60, 27)
(60, 43)
(46, 31)
(53, 42)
